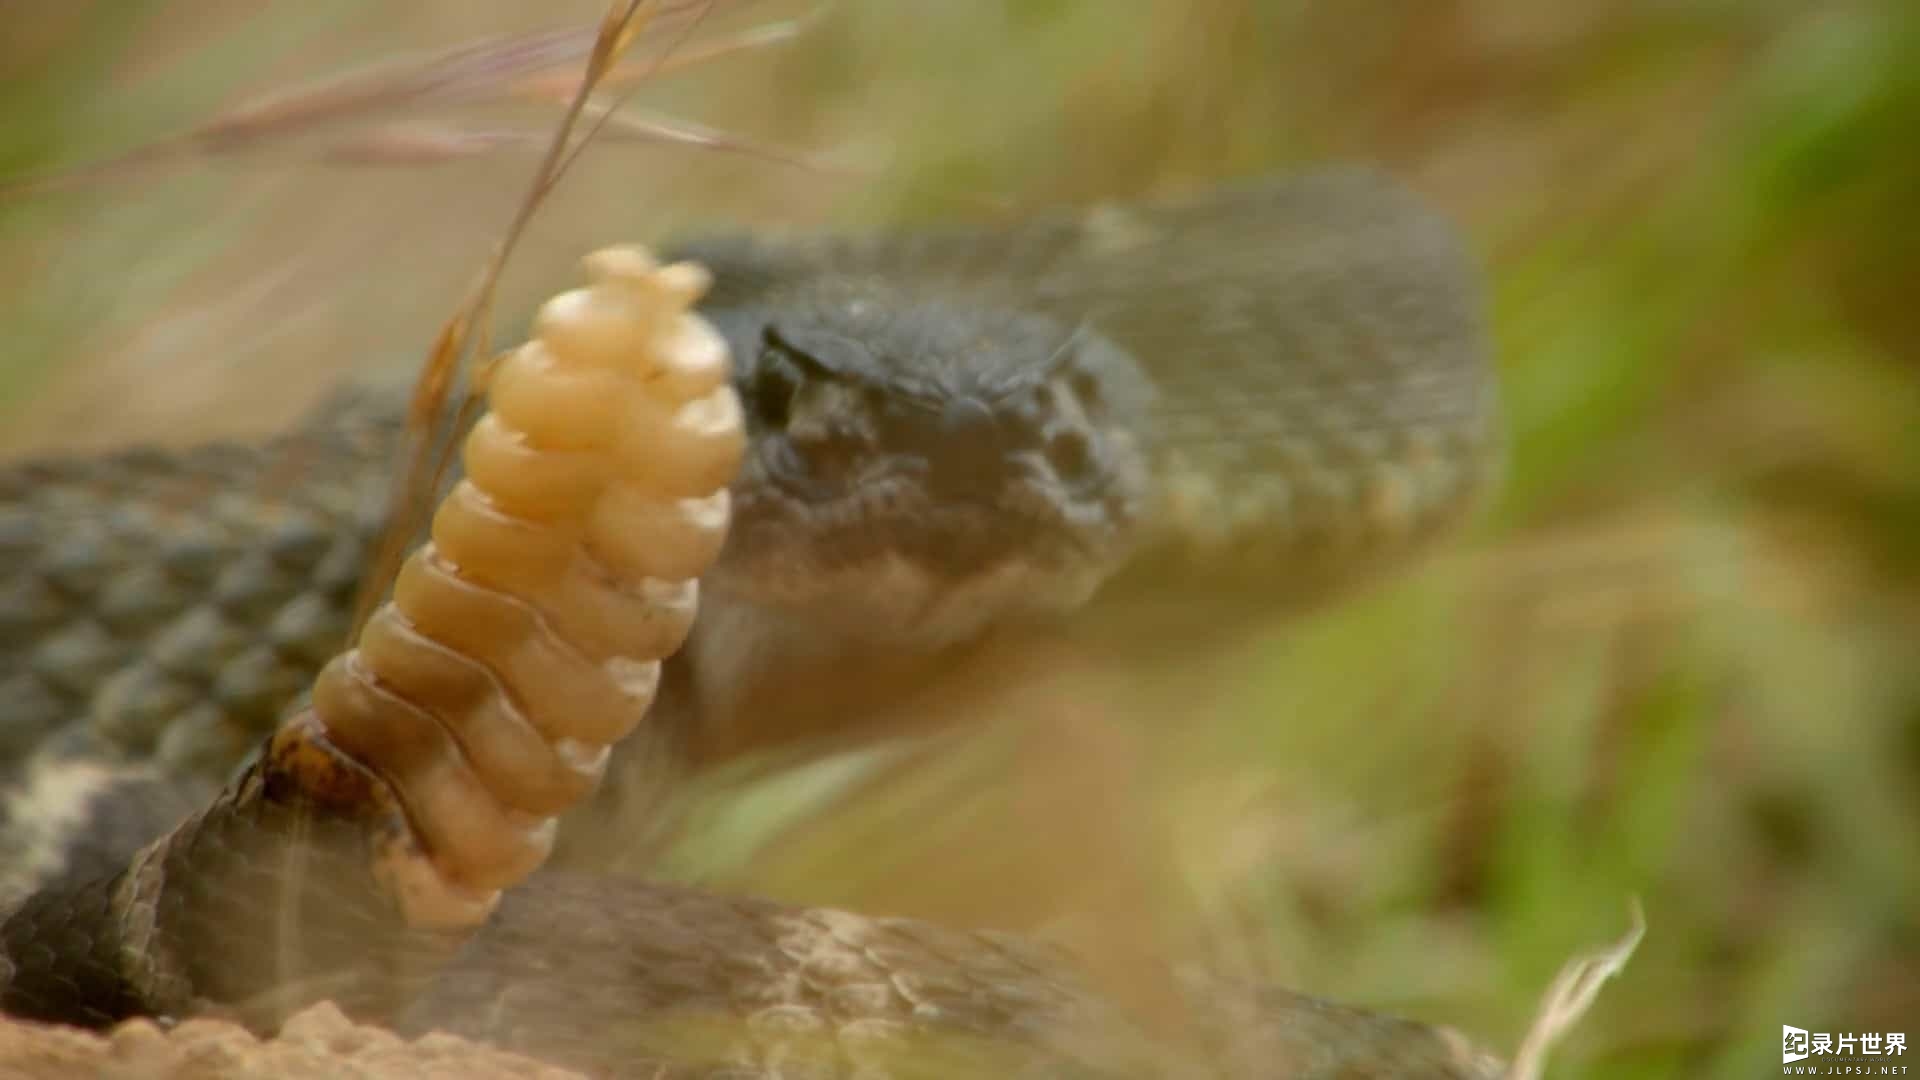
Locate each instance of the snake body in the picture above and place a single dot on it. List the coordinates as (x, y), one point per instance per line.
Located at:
(1248, 398)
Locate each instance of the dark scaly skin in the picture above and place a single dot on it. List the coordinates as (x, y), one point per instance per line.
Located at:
(836, 990)
(651, 980)
(1273, 480)
(159, 610)
(169, 604)
(1323, 398)
(1322, 382)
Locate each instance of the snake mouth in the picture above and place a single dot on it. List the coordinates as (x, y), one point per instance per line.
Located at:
(892, 559)
(950, 543)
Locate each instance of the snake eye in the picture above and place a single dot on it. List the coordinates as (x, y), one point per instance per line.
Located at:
(1086, 388)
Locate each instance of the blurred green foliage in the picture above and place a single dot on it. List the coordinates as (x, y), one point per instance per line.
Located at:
(1681, 660)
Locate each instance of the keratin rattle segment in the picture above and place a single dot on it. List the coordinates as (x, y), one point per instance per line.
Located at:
(526, 636)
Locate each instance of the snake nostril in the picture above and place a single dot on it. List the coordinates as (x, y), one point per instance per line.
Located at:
(1071, 455)
(770, 394)
(1087, 389)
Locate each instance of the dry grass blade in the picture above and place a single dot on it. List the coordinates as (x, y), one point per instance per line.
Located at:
(437, 144)
(1571, 995)
(485, 70)
(425, 144)
(463, 73)
(466, 72)
(559, 87)
(432, 144)
(654, 128)
(589, 85)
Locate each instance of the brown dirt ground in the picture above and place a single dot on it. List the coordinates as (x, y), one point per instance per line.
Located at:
(318, 1043)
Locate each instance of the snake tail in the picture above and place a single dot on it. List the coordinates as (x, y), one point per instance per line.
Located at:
(479, 703)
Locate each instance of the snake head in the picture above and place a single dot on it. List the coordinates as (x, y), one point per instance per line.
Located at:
(922, 468)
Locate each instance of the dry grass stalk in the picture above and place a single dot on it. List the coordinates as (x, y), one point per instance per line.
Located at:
(1571, 995)
(464, 334)
(537, 66)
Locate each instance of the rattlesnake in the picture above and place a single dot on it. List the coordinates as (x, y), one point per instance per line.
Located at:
(1158, 417)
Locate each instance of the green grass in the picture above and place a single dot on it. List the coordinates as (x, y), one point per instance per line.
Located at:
(1677, 662)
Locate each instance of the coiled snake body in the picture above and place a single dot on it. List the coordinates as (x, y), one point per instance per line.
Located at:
(1168, 413)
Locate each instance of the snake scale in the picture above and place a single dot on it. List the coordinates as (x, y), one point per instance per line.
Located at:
(1158, 414)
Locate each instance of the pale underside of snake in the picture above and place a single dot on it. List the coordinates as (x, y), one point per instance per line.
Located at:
(1162, 418)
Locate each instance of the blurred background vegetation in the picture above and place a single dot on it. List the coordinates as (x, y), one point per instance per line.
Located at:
(1680, 659)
